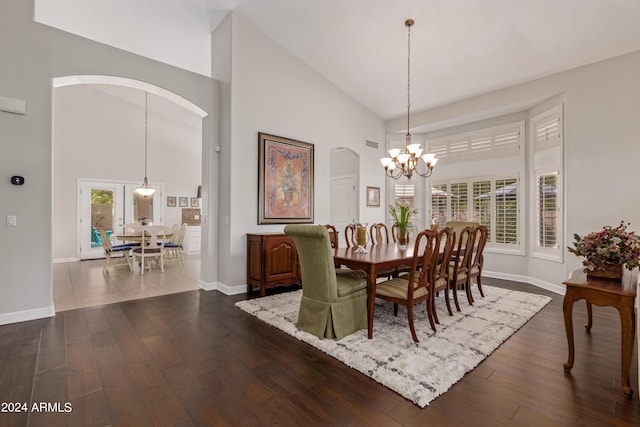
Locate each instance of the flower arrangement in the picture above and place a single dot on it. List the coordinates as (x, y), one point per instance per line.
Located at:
(402, 215)
(144, 220)
(611, 245)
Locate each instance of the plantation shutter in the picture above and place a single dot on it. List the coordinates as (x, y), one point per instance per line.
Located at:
(482, 204)
(439, 204)
(506, 208)
(547, 210)
(459, 201)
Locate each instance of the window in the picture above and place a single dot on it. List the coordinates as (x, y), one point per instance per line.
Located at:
(499, 141)
(459, 201)
(404, 193)
(546, 180)
(547, 210)
(490, 201)
(506, 211)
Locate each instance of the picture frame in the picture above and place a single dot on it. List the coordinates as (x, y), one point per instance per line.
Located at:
(171, 201)
(285, 180)
(183, 202)
(373, 197)
(195, 202)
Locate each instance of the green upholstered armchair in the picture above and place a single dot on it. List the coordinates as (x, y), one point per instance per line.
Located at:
(333, 305)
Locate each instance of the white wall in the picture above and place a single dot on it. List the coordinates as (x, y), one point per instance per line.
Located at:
(101, 137)
(602, 148)
(274, 92)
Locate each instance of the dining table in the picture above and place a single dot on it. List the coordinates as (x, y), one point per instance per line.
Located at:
(381, 257)
(136, 236)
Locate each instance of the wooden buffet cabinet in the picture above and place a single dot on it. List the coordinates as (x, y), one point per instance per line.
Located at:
(272, 260)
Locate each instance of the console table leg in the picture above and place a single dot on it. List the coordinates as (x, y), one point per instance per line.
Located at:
(589, 317)
(567, 311)
(628, 326)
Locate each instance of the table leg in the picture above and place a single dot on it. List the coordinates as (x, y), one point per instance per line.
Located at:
(589, 317)
(628, 326)
(567, 311)
(371, 299)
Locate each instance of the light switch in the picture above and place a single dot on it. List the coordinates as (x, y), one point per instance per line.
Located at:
(11, 221)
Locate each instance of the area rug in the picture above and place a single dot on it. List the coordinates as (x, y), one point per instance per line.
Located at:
(420, 371)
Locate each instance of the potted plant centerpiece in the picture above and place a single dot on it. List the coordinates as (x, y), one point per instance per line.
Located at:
(607, 251)
(402, 215)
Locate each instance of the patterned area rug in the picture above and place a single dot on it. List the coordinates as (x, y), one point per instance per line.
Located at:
(418, 371)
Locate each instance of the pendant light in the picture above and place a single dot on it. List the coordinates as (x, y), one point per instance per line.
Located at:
(404, 161)
(145, 189)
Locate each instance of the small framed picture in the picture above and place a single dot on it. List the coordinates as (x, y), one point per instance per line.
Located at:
(373, 196)
(183, 202)
(195, 202)
(171, 201)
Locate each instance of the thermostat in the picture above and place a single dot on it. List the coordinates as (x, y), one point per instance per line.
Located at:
(17, 180)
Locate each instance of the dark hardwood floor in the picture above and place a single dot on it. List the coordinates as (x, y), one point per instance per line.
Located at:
(194, 359)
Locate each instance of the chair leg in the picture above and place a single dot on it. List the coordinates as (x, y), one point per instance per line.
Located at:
(446, 299)
(455, 296)
(467, 288)
(479, 280)
(395, 309)
(433, 309)
(430, 314)
(162, 263)
(411, 326)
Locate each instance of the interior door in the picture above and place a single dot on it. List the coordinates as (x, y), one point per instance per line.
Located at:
(101, 205)
(344, 204)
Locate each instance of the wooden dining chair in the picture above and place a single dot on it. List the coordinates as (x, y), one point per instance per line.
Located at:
(151, 247)
(440, 282)
(379, 233)
(475, 268)
(460, 261)
(110, 250)
(350, 235)
(414, 288)
(333, 235)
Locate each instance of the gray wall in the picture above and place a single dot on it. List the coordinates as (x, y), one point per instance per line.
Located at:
(32, 55)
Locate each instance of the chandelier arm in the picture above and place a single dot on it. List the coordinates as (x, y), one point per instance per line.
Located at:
(427, 174)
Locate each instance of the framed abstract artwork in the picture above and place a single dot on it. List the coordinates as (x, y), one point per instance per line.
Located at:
(285, 180)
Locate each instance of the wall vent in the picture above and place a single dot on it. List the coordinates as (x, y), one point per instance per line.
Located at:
(372, 144)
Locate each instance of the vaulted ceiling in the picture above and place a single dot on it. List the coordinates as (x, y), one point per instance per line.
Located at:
(460, 48)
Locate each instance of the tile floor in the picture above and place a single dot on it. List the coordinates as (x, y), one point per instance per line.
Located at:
(82, 284)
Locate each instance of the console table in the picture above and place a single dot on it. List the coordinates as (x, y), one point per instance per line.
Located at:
(620, 295)
(272, 259)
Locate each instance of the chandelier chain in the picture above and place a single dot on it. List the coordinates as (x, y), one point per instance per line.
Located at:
(146, 96)
(408, 76)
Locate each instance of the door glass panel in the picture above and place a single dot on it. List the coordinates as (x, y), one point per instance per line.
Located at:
(142, 207)
(101, 214)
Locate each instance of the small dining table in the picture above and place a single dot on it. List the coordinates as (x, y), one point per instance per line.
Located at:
(382, 257)
(136, 237)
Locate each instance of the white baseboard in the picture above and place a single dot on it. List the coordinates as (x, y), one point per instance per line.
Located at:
(221, 287)
(553, 287)
(61, 260)
(26, 315)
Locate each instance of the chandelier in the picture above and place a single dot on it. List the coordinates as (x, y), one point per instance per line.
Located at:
(145, 189)
(404, 161)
